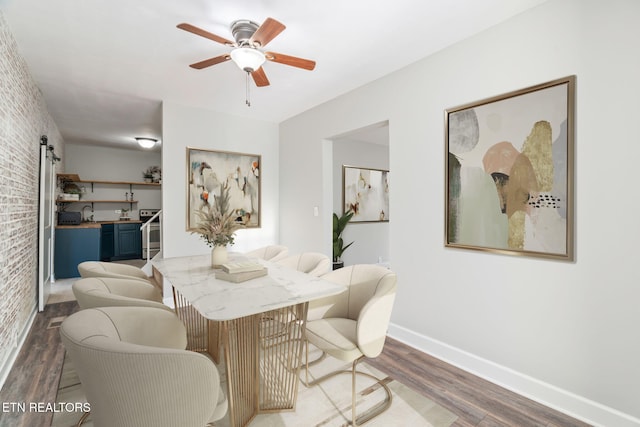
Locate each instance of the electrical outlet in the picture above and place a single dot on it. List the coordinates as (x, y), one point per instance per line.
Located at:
(118, 211)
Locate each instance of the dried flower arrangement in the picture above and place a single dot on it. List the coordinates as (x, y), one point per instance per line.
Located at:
(216, 225)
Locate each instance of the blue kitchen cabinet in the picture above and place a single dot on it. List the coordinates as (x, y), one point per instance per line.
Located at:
(107, 245)
(121, 241)
(73, 246)
(127, 241)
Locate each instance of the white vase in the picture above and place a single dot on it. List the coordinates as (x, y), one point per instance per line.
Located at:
(218, 256)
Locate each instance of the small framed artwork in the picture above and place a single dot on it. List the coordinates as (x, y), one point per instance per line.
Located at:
(208, 170)
(509, 172)
(365, 193)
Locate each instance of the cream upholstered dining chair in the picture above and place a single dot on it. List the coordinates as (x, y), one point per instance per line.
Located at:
(111, 269)
(109, 292)
(313, 263)
(353, 324)
(135, 371)
(269, 253)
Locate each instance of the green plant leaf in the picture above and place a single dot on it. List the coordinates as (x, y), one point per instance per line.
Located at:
(339, 224)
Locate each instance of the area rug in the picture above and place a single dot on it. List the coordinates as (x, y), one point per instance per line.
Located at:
(325, 405)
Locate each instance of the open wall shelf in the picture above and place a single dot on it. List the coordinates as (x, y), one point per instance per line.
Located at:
(70, 177)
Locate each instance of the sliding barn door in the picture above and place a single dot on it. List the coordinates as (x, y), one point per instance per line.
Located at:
(45, 226)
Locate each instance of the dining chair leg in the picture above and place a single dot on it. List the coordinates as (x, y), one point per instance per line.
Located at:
(83, 418)
(374, 411)
(353, 392)
(307, 364)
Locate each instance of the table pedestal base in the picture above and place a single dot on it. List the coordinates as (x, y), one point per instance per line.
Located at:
(262, 356)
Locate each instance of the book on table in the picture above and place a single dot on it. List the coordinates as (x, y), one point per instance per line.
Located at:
(241, 266)
(242, 276)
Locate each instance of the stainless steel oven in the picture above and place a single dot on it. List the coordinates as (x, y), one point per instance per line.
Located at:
(150, 245)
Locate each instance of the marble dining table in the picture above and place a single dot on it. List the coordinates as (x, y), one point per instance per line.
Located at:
(253, 329)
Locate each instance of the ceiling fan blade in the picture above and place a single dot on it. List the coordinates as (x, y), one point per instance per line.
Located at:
(206, 34)
(260, 77)
(290, 60)
(269, 29)
(211, 61)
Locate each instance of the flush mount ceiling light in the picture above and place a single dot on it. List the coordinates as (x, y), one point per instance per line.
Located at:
(146, 142)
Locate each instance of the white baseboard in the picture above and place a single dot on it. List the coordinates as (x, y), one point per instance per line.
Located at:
(8, 363)
(549, 395)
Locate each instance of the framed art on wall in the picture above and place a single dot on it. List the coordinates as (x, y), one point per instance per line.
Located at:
(365, 192)
(208, 170)
(509, 172)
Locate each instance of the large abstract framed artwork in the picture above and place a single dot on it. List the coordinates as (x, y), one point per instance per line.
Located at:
(365, 193)
(208, 170)
(509, 172)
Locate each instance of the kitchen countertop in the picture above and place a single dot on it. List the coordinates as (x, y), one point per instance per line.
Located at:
(99, 224)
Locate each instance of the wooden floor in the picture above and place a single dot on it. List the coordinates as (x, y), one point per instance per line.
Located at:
(476, 402)
(36, 372)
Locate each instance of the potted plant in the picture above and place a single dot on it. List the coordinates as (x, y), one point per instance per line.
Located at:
(71, 188)
(152, 174)
(217, 226)
(339, 224)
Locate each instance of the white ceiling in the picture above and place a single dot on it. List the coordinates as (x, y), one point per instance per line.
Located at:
(105, 66)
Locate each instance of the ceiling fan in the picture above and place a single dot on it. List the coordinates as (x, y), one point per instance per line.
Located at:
(250, 38)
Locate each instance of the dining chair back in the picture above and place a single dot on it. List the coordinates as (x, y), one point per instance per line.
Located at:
(313, 263)
(108, 292)
(269, 253)
(135, 371)
(111, 269)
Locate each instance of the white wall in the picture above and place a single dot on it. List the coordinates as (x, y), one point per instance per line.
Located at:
(564, 333)
(112, 164)
(370, 240)
(184, 127)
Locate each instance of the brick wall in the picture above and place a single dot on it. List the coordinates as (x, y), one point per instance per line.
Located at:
(23, 119)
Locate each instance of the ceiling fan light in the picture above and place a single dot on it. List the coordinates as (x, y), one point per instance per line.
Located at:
(247, 59)
(146, 142)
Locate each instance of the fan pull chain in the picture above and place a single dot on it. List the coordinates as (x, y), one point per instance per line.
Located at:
(248, 94)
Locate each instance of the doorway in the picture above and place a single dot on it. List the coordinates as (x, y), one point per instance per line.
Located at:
(366, 147)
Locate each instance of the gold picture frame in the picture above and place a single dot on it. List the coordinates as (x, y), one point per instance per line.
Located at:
(365, 192)
(207, 170)
(510, 172)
